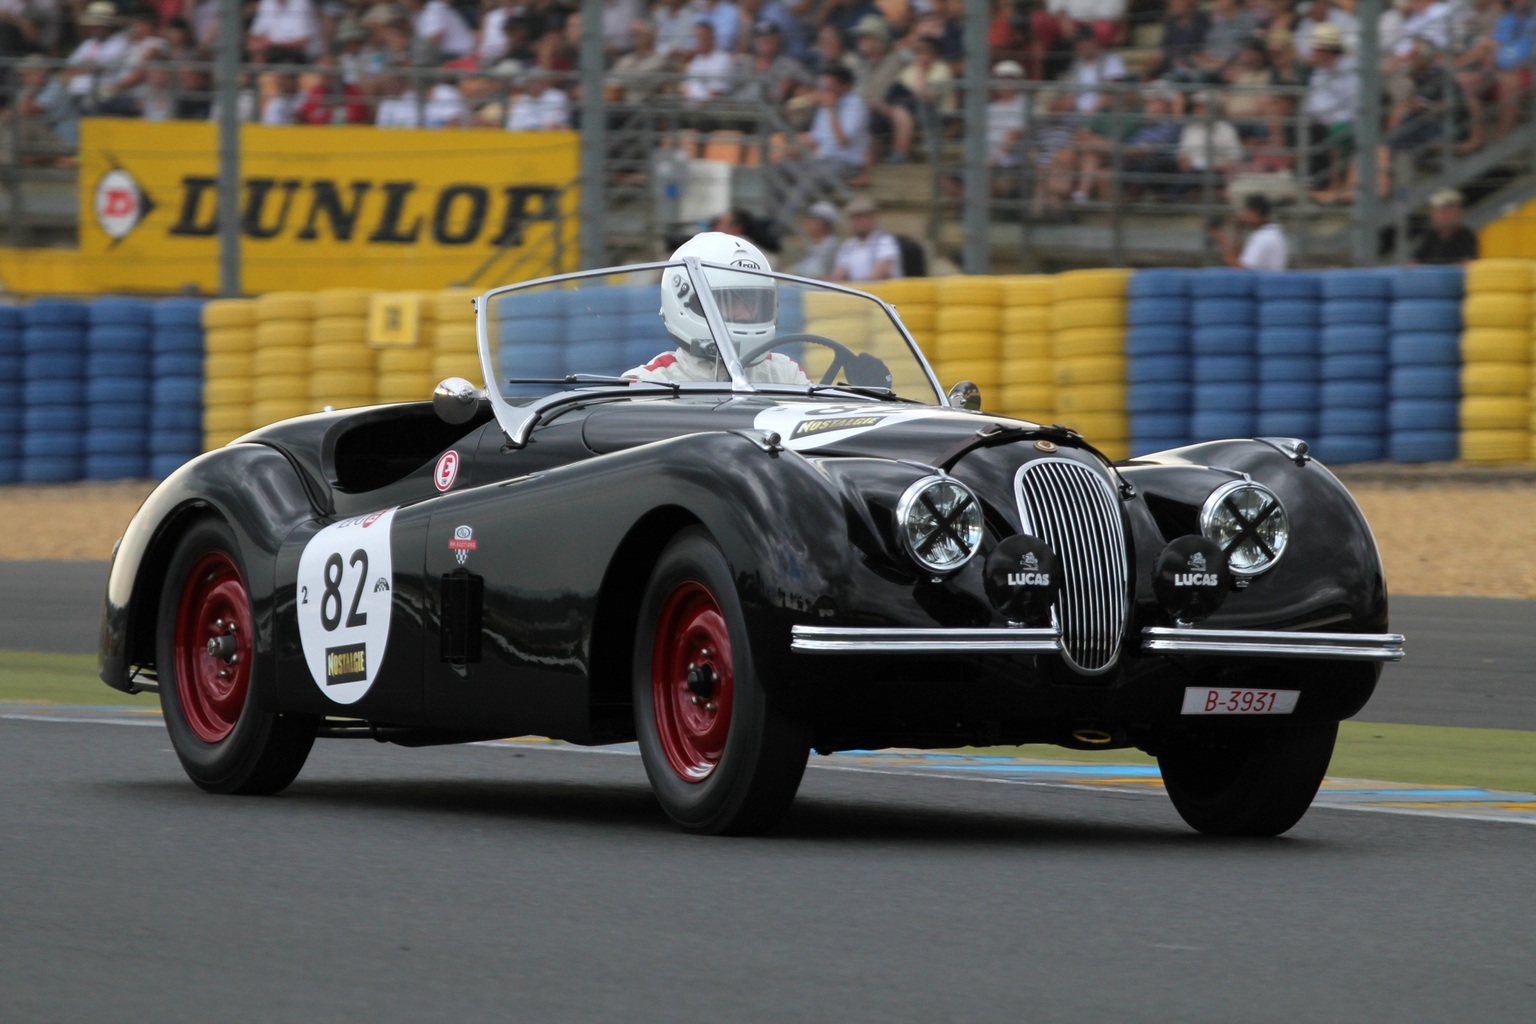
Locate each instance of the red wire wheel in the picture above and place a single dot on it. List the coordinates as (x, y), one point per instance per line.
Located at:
(692, 681)
(213, 647)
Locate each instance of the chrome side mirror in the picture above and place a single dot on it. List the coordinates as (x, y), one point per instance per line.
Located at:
(456, 400)
(965, 395)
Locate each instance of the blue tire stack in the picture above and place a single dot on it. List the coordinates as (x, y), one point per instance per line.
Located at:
(645, 336)
(176, 391)
(1223, 343)
(1289, 313)
(1424, 358)
(594, 333)
(53, 371)
(1352, 413)
(117, 389)
(11, 392)
(1158, 375)
(532, 342)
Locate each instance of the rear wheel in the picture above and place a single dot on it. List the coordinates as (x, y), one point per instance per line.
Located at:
(1253, 782)
(721, 760)
(206, 658)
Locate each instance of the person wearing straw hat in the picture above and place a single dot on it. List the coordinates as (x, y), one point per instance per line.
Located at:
(1448, 240)
(103, 48)
(869, 254)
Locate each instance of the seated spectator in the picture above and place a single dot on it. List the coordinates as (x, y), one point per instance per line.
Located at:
(398, 104)
(1007, 33)
(1273, 147)
(121, 93)
(42, 125)
(1049, 146)
(868, 254)
(1344, 27)
(794, 37)
(1184, 31)
(1007, 119)
(441, 34)
(768, 74)
(724, 18)
(327, 98)
(1248, 74)
(890, 104)
(1149, 161)
(831, 51)
(632, 78)
(280, 94)
(709, 70)
(1208, 144)
(1229, 26)
(844, 15)
(1285, 67)
(618, 17)
(1105, 17)
(673, 21)
(1091, 67)
(1332, 103)
(929, 83)
(538, 105)
(1435, 100)
(102, 50)
(1497, 66)
(1448, 240)
(194, 93)
(284, 29)
(837, 145)
(157, 96)
(445, 107)
(819, 226)
(1097, 140)
(351, 58)
(491, 33)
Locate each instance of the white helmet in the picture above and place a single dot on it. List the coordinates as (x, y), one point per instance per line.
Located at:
(748, 302)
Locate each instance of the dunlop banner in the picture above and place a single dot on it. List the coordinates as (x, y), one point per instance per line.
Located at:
(323, 207)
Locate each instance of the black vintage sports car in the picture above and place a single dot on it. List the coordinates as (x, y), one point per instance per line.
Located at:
(735, 572)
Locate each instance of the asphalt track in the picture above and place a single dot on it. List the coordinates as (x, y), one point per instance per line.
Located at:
(513, 883)
(1470, 660)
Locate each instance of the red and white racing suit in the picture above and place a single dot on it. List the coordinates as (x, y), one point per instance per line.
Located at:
(682, 365)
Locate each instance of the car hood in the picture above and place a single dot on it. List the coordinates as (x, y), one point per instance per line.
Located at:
(868, 429)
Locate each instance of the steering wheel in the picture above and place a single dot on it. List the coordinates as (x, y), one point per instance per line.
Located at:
(842, 355)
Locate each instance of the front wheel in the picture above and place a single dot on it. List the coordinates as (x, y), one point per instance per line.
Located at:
(205, 656)
(721, 760)
(1251, 782)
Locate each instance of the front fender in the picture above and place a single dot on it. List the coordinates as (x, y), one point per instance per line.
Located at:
(253, 488)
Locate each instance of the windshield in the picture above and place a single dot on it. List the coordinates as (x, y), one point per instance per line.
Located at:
(653, 323)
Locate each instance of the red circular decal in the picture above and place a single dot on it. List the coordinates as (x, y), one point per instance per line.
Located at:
(447, 470)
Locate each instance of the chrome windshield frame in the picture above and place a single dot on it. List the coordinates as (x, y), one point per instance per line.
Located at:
(517, 421)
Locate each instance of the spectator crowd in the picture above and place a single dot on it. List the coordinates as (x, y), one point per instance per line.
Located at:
(1145, 102)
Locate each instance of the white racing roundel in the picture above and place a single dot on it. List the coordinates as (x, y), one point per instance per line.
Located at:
(345, 592)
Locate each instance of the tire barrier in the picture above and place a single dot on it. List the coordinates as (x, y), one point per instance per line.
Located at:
(1495, 365)
(1417, 364)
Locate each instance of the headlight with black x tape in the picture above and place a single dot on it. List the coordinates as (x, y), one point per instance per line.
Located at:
(1248, 523)
(939, 522)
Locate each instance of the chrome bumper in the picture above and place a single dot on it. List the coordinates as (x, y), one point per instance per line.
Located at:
(1154, 639)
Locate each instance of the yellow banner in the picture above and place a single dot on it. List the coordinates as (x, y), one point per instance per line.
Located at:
(323, 207)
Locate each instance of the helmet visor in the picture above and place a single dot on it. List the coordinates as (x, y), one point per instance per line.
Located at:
(754, 305)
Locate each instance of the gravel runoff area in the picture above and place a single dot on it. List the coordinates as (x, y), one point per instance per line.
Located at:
(1447, 530)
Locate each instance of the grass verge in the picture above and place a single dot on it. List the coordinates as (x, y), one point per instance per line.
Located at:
(1434, 755)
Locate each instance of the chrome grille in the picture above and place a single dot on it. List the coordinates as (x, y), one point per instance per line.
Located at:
(1074, 509)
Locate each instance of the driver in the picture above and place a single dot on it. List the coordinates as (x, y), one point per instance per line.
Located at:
(748, 303)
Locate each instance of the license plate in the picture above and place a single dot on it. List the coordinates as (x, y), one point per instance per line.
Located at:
(1221, 700)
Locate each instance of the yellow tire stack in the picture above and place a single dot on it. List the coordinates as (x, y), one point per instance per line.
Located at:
(913, 298)
(340, 361)
(1496, 361)
(1088, 356)
(284, 335)
(405, 374)
(229, 344)
(456, 353)
(1028, 384)
(843, 318)
(968, 332)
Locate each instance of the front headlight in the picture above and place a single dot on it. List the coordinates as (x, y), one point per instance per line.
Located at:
(939, 520)
(1248, 523)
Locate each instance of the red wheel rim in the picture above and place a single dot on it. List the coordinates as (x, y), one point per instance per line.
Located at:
(692, 682)
(213, 647)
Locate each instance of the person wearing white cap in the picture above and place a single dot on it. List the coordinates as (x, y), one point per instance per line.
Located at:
(1007, 114)
(819, 226)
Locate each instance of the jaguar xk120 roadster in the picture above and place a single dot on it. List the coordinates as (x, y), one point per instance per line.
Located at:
(748, 528)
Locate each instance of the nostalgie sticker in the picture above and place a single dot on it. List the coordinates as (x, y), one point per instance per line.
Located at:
(344, 592)
(447, 470)
(809, 426)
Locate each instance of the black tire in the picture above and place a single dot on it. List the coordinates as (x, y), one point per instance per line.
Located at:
(727, 763)
(225, 744)
(1254, 782)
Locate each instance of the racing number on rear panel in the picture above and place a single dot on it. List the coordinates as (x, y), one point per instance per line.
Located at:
(346, 596)
(332, 592)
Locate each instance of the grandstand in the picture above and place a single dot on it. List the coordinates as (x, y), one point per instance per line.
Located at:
(1116, 131)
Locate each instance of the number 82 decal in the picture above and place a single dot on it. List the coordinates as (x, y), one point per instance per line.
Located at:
(345, 586)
